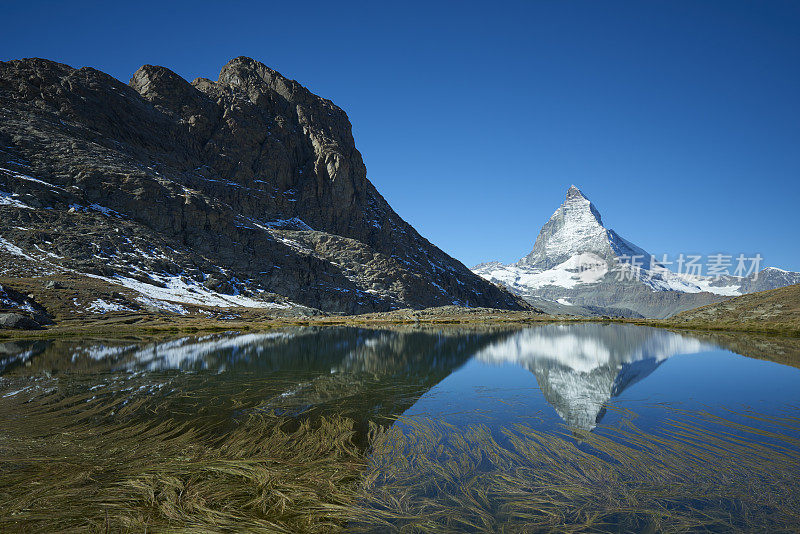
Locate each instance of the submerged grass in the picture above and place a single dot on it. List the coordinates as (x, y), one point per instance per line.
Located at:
(686, 479)
(100, 462)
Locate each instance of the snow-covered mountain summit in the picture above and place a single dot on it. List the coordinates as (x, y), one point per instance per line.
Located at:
(581, 266)
(576, 228)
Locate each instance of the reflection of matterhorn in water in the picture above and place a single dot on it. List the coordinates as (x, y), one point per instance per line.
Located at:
(580, 367)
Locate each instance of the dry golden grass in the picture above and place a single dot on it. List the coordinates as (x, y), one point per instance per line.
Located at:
(782, 304)
(774, 311)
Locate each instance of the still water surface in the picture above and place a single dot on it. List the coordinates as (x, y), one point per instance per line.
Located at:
(587, 427)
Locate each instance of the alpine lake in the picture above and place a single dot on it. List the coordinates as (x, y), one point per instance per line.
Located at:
(585, 427)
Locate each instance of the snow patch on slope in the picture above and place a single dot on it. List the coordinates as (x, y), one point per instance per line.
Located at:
(9, 199)
(11, 248)
(163, 305)
(585, 268)
(101, 306)
(704, 283)
(178, 290)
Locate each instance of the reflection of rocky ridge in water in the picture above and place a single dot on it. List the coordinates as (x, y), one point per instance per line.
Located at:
(413, 354)
(326, 350)
(580, 367)
(213, 352)
(312, 349)
(363, 374)
(386, 371)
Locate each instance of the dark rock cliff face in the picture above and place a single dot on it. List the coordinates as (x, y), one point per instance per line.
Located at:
(248, 185)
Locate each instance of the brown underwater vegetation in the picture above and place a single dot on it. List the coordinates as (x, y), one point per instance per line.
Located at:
(119, 459)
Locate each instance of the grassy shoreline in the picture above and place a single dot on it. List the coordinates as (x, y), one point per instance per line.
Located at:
(775, 312)
(154, 325)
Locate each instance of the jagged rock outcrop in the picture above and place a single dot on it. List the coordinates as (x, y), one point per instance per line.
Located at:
(249, 187)
(769, 278)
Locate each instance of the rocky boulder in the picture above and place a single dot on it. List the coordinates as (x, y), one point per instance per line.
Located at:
(17, 321)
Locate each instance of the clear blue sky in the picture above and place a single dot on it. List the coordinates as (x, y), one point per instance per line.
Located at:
(679, 119)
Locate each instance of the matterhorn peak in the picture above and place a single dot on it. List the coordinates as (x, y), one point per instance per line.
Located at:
(579, 206)
(574, 192)
(577, 265)
(576, 227)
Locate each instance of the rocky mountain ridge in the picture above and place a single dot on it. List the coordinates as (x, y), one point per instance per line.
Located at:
(245, 191)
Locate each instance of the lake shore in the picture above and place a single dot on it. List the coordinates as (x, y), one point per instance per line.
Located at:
(118, 324)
